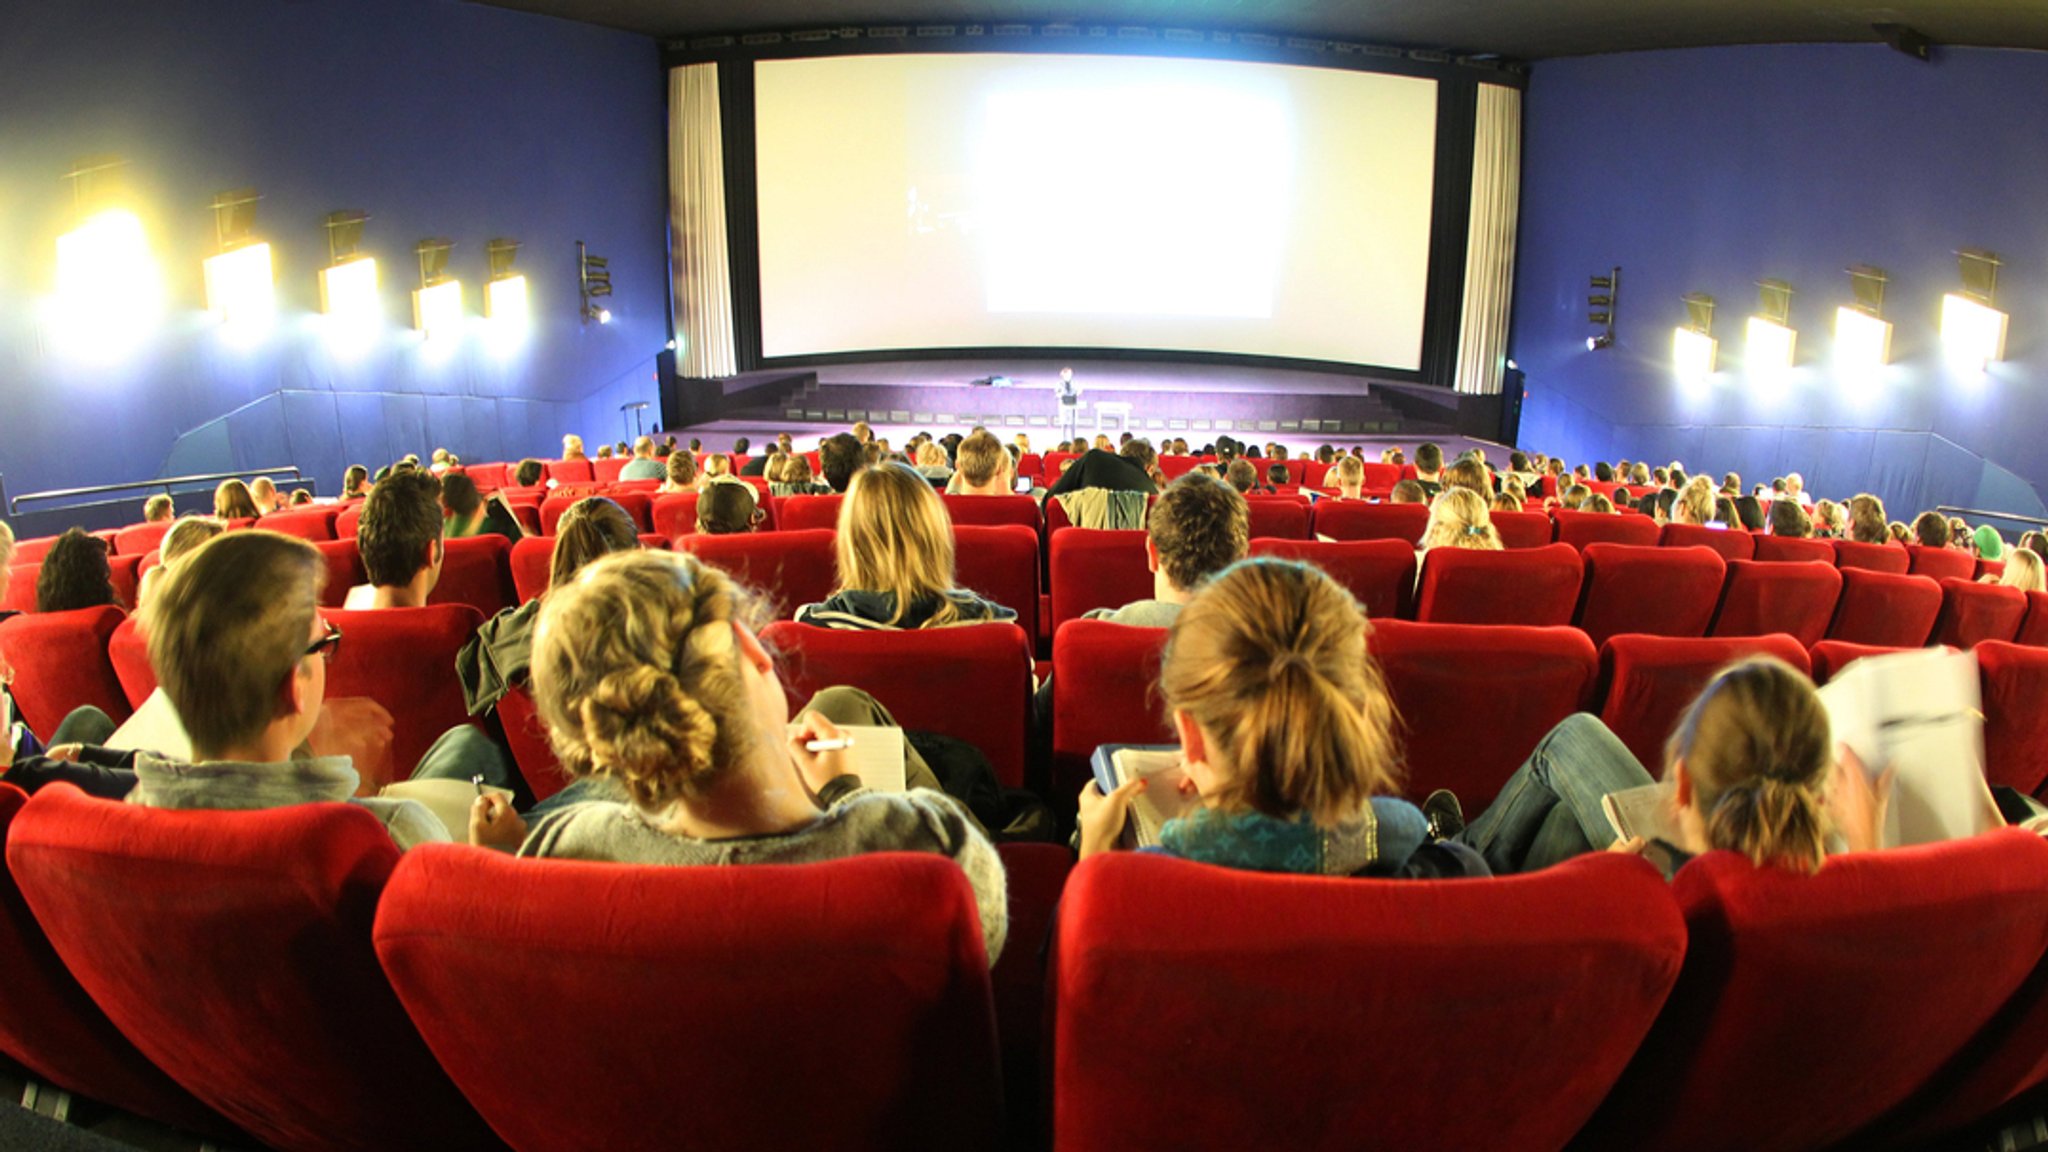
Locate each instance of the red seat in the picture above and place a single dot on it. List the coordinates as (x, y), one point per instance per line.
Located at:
(1105, 690)
(60, 663)
(477, 571)
(1809, 1006)
(344, 570)
(1358, 520)
(1732, 544)
(1647, 682)
(1097, 568)
(1380, 573)
(674, 514)
(125, 574)
(1793, 548)
(404, 659)
(1831, 656)
(1760, 598)
(790, 568)
(1973, 612)
(1523, 529)
(1582, 528)
(606, 469)
(2034, 629)
(2014, 682)
(346, 523)
(638, 505)
(1535, 586)
(991, 510)
(234, 947)
(532, 561)
(570, 471)
(315, 524)
(1875, 557)
(487, 477)
(1564, 969)
(1001, 563)
(21, 587)
(1992, 568)
(1278, 517)
(1653, 591)
(1886, 609)
(1474, 700)
(128, 652)
(53, 1029)
(136, 539)
(972, 683)
(1940, 563)
(868, 974)
(811, 512)
(527, 736)
(32, 550)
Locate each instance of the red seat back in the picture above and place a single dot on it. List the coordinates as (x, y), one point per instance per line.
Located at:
(811, 512)
(1523, 529)
(1973, 612)
(2034, 629)
(1760, 598)
(234, 946)
(1358, 520)
(136, 539)
(1831, 656)
(1795, 548)
(1875, 557)
(1534, 586)
(404, 659)
(1570, 964)
(532, 561)
(1940, 563)
(1522, 681)
(606, 469)
(348, 521)
(487, 477)
(477, 571)
(60, 662)
(527, 736)
(33, 549)
(991, 510)
(128, 652)
(1787, 1026)
(867, 973)
(1380, 573)
(1105, 690)
(1278, 517)
(1653, 591)
(1885, 609)
(21, 587)
(1097, 568)
(674, 514)
(972, 683)
(314, 524)
(1001, 563)
(344, 570)
(1647, 682)
(2014, 682)
(790, 568)
(570, 471)
(1731, 543)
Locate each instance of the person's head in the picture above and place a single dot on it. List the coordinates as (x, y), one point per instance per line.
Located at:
(1458, 519)
(1931, 529)
(643, 448)
(300, 497)
(728, 507)
(572, 447)
(1731, 483)
(528, 474)
(1597, 502)
(1408, 492)
(1429, 459)
(1574, 497)
(717, 464)
(1469, 474)
(1279, 706)
(895, 537)
(1752, 758)
(263, 491)
(1794, 484)
(157, 509)
(785, 443)
(459, 496)
(696, 445)
(2023, 570)
(1198, 527)
(1990, 545)
(1900, 533)
(1830, 520)
(1507, 502)
(1139, 451)
(234, 638)
(796, 470)
(231, 501)
(682, 470)
(1639, 474)
(930, 455)
(604, 451)
(1518, 462)
(2033, 541)
(1242, 475)
(841, 456)
(1695, 503)
(1350, 476)
(1789, 519)
(399, 535)
(185, 537)
(982, 463)
(1603, 472)
(1276, 474)
(354, 480)
(1867, 524)
(590, 528)
(741, 446)
(75, 574)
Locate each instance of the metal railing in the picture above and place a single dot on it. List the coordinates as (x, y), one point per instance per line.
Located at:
(65, 498)
(1981, 514)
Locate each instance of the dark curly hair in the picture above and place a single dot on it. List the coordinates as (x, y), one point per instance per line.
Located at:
(1201, 526)
(75, 574)
(401, 520)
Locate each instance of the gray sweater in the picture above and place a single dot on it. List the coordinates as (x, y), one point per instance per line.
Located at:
(227, 784)
(860, 821)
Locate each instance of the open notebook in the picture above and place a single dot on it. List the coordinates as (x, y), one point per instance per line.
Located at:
(876, 756)
(1160, 800)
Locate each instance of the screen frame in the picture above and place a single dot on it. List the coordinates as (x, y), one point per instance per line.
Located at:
(1450, 208)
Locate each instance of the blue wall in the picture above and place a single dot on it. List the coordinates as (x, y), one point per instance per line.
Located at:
(439, 118)
(1707, 170)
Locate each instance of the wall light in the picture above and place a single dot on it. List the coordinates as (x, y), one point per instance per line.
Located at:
(1863, 337)
(109, 292)
(241, 289)
(437, 302)
(1770, 340)
(1972, 331)
(1693, 347)
(348, 285)
(1604, 301)
(595, 283)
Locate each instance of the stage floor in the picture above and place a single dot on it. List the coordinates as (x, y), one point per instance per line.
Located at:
(1100, 375)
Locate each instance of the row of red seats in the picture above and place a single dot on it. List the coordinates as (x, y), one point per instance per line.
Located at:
(455, 998)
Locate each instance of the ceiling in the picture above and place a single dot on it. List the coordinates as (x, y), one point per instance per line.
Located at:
(1516, 29)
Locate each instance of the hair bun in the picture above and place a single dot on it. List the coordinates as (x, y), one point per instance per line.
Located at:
(637, 720)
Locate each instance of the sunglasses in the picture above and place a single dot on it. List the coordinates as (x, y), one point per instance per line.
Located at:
(328, 646)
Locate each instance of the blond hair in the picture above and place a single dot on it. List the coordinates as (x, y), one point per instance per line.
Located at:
(930, 455)
(1696, 501)
(636, 671)
(232, 501)
(1350, 473)
(1756, 747)
(1270, 661)
(6, 544)
(1458, 519)
(895, 537)
(980, 458)
(2023, 571)
(1507, 502)
(227, 626)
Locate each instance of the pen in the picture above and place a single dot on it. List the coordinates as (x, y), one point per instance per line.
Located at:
(478, 780)
(832, 745)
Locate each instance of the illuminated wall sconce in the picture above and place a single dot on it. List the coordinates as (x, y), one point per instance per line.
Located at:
(1972, 331)
(348, 285)
(505, 292)
(109, 292)
(437, 302)
(1693, 347)
(1770, 341)
(1604, 301)
(1863, 337)
(241, 288)
(594, 273)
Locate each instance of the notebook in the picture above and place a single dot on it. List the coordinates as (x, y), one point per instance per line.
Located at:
(876, 756)
(1161, 799)
(449, 801)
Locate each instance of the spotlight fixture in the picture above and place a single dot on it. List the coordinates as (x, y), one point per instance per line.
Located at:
(240, 287)
(109, 293)
(1863, 337)
(1904, 39)
(1603, 301)
(348, 285)
(1972, 331)
(1770, 338)
(437, 302)
(594, 274)
(1693, 346)
(505, 292)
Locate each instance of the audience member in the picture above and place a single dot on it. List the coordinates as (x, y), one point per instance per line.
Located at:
(355, 482)
(470, 513)
(840, 456)
(1198, 527)
(728, 506)
(1988, 543)
(263, 494)
(1598, 503)
(796, 479)
(75, 574)
(1789, 519)
(895, 560)
(1348, 478)
(984, 469)
(643, 465)
(158, 510)
(529, 474)
(1866, 520)
(1694, 504)
(715, 466)
(1507, 502)
(1114, 471)
(1408, 492)
(1458, 519)
(231, 501)
(1931, 530)
(2023, 570)
(1830, 521)
(680, 473)
(1574, 498)
(399, 538)
(1242, 476)
(184, 538)
(931, 461)
(1429, 469)
(572, 447)
(2035, 542)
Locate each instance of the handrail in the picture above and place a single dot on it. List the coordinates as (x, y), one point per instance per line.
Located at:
(1952, 510)
(287, 471)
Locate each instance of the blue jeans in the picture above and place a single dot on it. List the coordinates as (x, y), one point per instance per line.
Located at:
(1550, 809)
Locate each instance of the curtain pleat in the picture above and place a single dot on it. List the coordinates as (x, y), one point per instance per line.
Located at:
(1490, 252)
(703, 278)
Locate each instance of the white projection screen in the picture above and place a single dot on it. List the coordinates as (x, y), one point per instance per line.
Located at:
(1008, 201)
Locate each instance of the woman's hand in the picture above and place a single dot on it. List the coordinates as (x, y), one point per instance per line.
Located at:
(493, 823)
(1102, 817)
(1633, 846)
(818, 768)
(1856, 806)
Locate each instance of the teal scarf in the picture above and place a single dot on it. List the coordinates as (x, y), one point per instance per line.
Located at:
(1252, 841)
